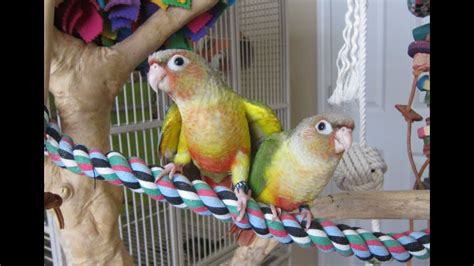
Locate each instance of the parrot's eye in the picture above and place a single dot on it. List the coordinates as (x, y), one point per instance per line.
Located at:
(177, 62)
(324, 127)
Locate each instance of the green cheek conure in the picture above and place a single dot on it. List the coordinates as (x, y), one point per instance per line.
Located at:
(292, 168)
(209, 124)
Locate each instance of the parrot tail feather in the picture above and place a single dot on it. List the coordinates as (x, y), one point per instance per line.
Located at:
(244, 237)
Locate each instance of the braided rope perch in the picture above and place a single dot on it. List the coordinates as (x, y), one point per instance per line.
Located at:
(221, 202)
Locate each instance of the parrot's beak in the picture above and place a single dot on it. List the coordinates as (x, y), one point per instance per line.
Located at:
(343, 139)
(156, 77)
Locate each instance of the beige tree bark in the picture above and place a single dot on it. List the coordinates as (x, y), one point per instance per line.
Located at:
(48, 32)
(406, 204)
(253, 254)
(410, 204)
(84, 80)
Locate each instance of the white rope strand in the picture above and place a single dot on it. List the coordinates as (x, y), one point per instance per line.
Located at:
(345, 84)
(361, 67)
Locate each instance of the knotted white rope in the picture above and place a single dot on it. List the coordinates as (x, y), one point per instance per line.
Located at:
(361, 167)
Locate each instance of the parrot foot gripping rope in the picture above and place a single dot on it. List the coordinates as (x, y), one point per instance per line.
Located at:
(221, 202)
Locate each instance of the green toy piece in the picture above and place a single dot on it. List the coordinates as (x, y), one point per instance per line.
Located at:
(422, 32)
(178, 41)
(179, 3)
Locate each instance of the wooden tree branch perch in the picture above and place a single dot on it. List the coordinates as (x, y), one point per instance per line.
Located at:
(66, 52)
(254, 254)
(152, 34)
(374, 205)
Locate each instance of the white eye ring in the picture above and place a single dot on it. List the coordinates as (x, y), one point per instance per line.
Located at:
(177, 62)
(324, 127)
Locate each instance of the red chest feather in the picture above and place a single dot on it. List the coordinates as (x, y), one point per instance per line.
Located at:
(217, 165)
(287, 205)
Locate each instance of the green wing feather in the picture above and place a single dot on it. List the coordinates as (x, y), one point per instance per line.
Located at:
(262, 122)
(263, 159)
(169, 137)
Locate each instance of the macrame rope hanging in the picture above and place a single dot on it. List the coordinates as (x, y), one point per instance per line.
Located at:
(221, 202)
(362, 167)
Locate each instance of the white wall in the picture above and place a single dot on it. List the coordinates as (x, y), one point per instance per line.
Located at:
(302, 56)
